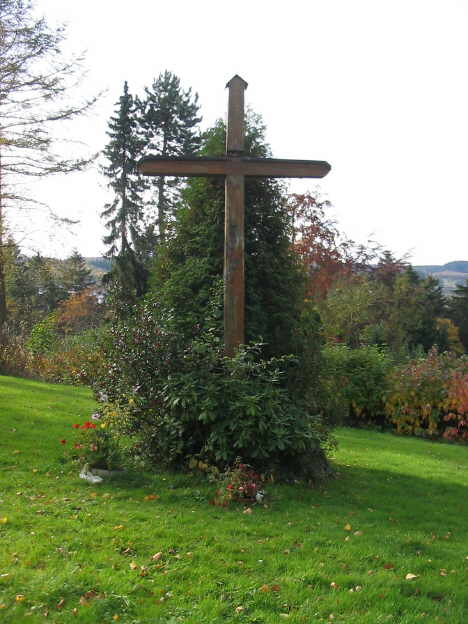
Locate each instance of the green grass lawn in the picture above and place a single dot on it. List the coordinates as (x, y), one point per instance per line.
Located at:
(73, 552)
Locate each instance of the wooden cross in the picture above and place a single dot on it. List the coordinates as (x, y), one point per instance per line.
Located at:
(234, 166)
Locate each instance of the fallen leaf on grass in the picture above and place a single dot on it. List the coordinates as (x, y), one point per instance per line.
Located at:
(133, 565)
(151, 497)
(118, 527)
(87, 596)
(389, 566)
(443, 572)
(19, 597)
(358, 533)
(157, 556)
(4, 520)
(247, 511)
(348, 527)
(410, 576)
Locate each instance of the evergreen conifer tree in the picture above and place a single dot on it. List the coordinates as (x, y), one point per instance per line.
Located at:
(124, 215)
(75, 275)
(168, 121)
(191, 264)
(458, 311)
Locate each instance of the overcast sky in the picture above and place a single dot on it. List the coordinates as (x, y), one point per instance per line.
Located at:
(378, 88)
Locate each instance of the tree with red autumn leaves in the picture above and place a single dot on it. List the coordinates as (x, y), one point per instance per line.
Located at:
(326, 253)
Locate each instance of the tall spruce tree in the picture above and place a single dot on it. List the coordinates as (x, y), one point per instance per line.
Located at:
(168, 121)
(124, 215)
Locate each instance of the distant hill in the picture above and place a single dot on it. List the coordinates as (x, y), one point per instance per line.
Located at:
(98, 266)
(450, 274)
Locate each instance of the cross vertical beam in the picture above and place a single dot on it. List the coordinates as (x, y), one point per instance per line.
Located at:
(234, 266)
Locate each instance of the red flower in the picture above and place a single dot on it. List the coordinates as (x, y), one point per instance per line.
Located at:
(63, 441)
(76, 426)
(88, 425)
(229, 487)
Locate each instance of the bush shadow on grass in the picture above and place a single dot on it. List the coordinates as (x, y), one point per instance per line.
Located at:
(427, 502)
(406, 445)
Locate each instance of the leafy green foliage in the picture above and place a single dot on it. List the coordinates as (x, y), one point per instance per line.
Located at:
(428, 397)
(191, 264)
(389, 307)
(354, 382)
(183, 398)
(44, 335)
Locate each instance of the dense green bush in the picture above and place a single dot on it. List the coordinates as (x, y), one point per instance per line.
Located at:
(183, 398)
(354, 382)
(44, 335)
(429, 397)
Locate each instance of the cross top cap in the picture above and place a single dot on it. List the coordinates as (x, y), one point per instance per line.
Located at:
(236, 79)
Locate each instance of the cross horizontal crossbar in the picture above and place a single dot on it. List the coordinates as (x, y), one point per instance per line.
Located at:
(264, 167)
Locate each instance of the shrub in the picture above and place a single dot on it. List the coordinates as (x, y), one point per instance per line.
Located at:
(44, 336)
(354, 382)
(75, 364)
(429, 397)
(74, 360)
(182, 398)
(15, 358)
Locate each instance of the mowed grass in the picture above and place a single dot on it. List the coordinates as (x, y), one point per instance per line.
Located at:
(73, 552)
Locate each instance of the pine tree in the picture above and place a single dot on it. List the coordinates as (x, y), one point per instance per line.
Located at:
(75, 275)
(168, 120)
(124, 215)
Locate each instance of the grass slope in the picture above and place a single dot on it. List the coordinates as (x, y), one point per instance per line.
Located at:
(70, 552)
